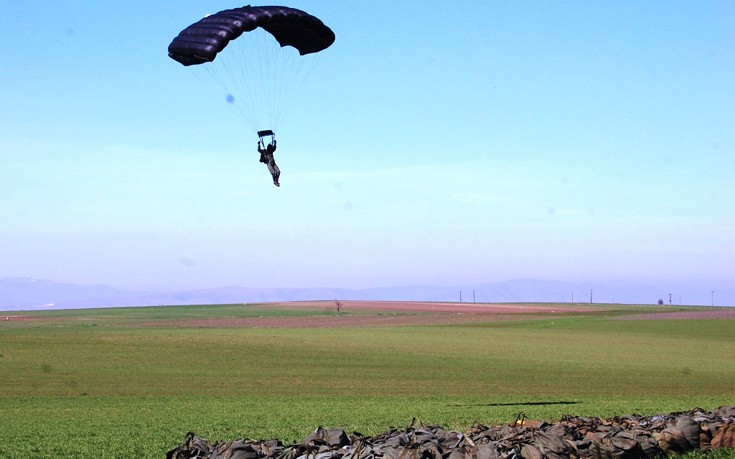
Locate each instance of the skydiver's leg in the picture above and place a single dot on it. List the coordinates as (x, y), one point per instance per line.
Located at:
(275, 172)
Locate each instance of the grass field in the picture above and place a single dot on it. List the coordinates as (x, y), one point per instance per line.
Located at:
(131, 382)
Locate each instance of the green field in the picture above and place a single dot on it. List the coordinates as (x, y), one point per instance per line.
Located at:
(113, 383)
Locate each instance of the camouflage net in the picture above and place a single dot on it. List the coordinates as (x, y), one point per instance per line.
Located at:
(628, 437)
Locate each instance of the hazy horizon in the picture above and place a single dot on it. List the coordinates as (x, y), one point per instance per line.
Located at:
(22, 293)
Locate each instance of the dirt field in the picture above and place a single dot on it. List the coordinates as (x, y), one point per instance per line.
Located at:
(21, 318)
(406, 313)
(382, 313)
(424, 307)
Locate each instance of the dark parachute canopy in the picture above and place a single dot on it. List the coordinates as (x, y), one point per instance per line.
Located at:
(201, 41)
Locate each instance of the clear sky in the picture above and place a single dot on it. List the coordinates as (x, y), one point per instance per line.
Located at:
(446, 143)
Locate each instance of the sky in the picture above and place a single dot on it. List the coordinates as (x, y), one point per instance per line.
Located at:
(434, 143)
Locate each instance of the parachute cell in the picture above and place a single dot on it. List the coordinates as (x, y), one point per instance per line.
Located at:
(202, 41)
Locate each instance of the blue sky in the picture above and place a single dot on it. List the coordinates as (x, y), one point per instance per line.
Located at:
(433, 143)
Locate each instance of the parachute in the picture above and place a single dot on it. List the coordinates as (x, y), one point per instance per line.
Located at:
(203, 40)
(258, 74)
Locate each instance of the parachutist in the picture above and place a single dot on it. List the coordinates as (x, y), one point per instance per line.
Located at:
(212, 36)
(266, 156)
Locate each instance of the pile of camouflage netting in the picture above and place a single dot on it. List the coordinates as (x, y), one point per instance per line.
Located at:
(628, 437)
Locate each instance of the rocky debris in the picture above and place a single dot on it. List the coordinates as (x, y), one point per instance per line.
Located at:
(572, 437)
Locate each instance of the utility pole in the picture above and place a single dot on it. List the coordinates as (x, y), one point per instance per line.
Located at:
(590, 296)
(460, 296)
(473, 295)
(669, 299)
(713, 297)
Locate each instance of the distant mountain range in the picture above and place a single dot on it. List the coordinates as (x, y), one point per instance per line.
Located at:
(30, 294)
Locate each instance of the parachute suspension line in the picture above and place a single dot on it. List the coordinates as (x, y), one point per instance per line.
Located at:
(295, 76)
(259, 80)
(258, 76)
(250, 66)
(223, 75)
(267, 60)
(236, 64)
(250, 89)
(219, 85)
(278, 60)
(234, 71)
(279, 67)
(269, 77)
